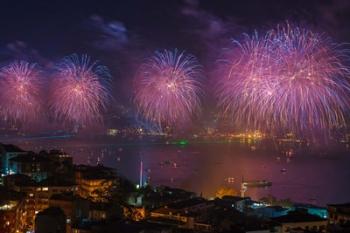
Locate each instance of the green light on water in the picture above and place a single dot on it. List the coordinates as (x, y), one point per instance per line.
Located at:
(182, 142)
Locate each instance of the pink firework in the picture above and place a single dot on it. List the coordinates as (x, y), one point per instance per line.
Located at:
(168, 87)
(79, 91)
(20, 92)
(291, 79)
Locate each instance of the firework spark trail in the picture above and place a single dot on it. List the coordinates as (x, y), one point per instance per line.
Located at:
(168, 87)
(291, 78)
(80, 91)
(20, 92)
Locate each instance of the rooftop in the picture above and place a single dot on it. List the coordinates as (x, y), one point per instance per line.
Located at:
(234, 198)
(56, 181)
(166, 221)
(276, 208)
(30, 157)
(167, 211)
(10, 148)
(187, 203)
(298, 216)
(341, 208)
(343, 205)
(54, 154)
(19, 180)
(63, 197)
(51, 211)
(95, 172)
(10, 195)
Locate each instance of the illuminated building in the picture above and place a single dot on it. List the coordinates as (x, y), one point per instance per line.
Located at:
(95, 183)
(299, 221)
(236, 202)
(74, 208)
(50, 220)
(12, 213)
(322, 212)
(185, 214)
(38, 194)
(98, 211)
(270, 211)
(339, 213)
(38, 166)
(32, 165)
(134, 213)
(161, 196)
(8, 152)
(61, 163)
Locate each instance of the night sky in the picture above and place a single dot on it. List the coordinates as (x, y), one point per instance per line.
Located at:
(121, 33)
(52, 29)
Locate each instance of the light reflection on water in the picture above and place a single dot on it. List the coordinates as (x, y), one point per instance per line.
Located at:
(204, 168)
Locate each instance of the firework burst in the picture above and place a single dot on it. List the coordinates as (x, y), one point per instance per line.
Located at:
(20, 92)
(168, 87)
(80, 91)
(291, 79)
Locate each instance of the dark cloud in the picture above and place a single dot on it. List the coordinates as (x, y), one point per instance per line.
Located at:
(206, 25)
(110, 35)
(210, 31)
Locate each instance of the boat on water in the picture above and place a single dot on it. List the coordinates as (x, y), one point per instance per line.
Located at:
(257, 183)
